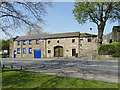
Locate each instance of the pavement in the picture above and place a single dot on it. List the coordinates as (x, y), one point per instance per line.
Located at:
(84, 68)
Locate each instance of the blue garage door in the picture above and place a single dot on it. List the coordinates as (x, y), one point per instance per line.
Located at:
(37, 53)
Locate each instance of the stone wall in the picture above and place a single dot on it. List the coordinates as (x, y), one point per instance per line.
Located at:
(104, 57)
(116, 34)
(88, 45)
(11, 48)
(66, 43)
(34, 46)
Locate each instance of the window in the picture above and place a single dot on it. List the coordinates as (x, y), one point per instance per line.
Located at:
(89, 40)
(30, 50)
(30, 42)
(58, 41)
(67, 50)
(110, 36)
(48, 42)
(24, 43)
(110, 41)
(81, 40)
(18, 42)
(18, 50)
(49, 51)
(37, 41)
(73, 40)
(24, 50)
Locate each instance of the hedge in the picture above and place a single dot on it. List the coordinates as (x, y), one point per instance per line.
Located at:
(116, 55)
(109, 49)
(5, 55)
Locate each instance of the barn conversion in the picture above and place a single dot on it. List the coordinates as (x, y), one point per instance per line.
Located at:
(51, 45)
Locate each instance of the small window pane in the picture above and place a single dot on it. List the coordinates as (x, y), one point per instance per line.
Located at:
(24, 43)
(48, 42)
(81, 40)
(58, 41)
(37, 41)
(30, 42)
(18, 42)
(89, 40)
(24, 50)
(18, 50)
(49, 51)
(80, 44)
(73, 40)
(30, 50)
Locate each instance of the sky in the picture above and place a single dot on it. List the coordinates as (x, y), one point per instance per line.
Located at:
(60, 19)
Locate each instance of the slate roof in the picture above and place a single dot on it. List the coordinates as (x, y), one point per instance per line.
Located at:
(116, 28)
(47, 36)
(58, 35)
(87, 35)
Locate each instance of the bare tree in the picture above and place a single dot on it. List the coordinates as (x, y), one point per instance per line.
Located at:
(35, 31)
(17, 14)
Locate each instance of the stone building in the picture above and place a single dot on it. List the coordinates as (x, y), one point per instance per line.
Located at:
(107, 39)
(51, 45)
(116, 34)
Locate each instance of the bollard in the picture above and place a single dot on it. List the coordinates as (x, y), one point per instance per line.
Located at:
(21, 68)
(66, 56)
(11, 66)
(3, 66)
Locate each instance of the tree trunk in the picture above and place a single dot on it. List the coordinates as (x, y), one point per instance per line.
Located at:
(100, 33)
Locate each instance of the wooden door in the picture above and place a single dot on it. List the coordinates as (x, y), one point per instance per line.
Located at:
(58, 51)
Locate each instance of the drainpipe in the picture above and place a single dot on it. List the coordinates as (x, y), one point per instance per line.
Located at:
(21, 48)
(79, 45)
(45, 49)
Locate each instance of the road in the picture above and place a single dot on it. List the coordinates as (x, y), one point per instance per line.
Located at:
(84, 68)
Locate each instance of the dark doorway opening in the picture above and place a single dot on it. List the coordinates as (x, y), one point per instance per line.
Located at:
(73, 52)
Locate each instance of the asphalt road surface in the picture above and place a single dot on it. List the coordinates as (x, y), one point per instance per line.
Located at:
(84, 68)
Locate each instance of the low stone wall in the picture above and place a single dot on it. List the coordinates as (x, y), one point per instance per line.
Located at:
(104, 57)
(84, 53)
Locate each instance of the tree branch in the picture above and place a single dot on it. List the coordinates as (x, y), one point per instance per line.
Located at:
(94, 20)
(94, 14)
(107, 12)
(16, 18)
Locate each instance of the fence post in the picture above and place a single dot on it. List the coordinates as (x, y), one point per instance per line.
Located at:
(11, 66)
(3, 66)
(21, 68)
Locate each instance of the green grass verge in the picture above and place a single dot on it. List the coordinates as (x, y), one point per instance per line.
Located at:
(22, 79)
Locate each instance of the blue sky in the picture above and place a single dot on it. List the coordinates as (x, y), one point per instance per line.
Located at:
(60, 19)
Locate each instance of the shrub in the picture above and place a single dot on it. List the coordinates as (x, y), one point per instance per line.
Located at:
(106, 50)
(116, 55)
(109, 49)
(5, 55)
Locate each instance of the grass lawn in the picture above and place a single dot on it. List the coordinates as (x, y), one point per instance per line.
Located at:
(22, 79)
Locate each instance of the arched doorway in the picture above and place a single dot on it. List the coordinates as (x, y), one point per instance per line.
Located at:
(58, 51)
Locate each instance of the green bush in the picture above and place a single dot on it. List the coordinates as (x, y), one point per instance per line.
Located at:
(109, 49)
(116, 55)
(5, 55)
(106, 50)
